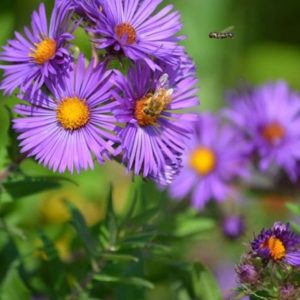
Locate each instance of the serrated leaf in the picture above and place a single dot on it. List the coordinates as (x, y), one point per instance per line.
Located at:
(82, 229)
(136, 281)
(32, 185)
(13, 288)
(205, 284)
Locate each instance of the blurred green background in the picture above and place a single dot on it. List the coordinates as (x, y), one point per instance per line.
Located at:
(266, 47)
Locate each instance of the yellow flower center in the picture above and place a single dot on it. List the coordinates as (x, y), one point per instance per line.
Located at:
(73, 113)
(43, 51)
(148, 109)
(125, 29)
(203, 160)
(273, 132)
(275, 246)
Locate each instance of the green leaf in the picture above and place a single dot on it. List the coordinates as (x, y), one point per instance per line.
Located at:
(295, 227)
(111, 219)
(82, 229)
(294, 208)
(136, 281)
(194, 226)
(49, 247)
(32, 185)
(205, 285)
(12, 148)
(119, 257)
(13, 287)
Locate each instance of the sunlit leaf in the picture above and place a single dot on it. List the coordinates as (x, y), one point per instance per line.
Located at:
(136, 281)
(13, 288)
(205, 284)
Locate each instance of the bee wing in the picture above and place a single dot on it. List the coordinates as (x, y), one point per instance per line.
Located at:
(228, 29)
(163, 82)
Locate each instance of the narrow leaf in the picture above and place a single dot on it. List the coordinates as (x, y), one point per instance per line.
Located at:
(82, 229)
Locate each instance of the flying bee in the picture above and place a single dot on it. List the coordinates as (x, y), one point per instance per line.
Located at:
(156, 103)
(224, 34)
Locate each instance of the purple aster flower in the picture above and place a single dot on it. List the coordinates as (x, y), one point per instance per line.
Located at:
(131, 27)
(155, 131)
(270, 117)
(248, 274)
(214, 157)
(42, 54)
(63, 130)
(233, 226)
(278, 244)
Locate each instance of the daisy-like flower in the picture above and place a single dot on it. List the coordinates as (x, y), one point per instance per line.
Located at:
(130, 26)
(214, 157)
(42, 54)
(278, 244)
(64, 130)
(155, 130)
(270, 117)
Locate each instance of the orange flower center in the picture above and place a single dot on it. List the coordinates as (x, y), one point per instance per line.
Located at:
(275, 246)
(73, 113)
(125, 29)
(148, 109)
(203, 160)
(43, 51)
(273, 132)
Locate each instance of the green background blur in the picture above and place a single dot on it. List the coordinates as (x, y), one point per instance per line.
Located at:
(266, 47)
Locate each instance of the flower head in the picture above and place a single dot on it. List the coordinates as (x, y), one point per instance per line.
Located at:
(42, 54)
(214, 157)
(63, 130)
(131, 28)
(247, 274)
(270, 117)
(277, 244)
(233, 226)
(155, 131)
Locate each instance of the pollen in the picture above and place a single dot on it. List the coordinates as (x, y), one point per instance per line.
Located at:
(73, 113)
(273, 132)
(44, 51)
(126, 30)
(203, 160)
(275, 246)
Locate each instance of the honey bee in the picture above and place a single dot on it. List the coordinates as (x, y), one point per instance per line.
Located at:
(224, 34)
(156, 103)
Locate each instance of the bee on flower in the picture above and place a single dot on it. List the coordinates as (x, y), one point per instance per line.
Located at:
(150, 107)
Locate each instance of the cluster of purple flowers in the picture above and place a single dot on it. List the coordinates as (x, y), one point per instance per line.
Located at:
(78, 111)
(276, 249)
(260, 127)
